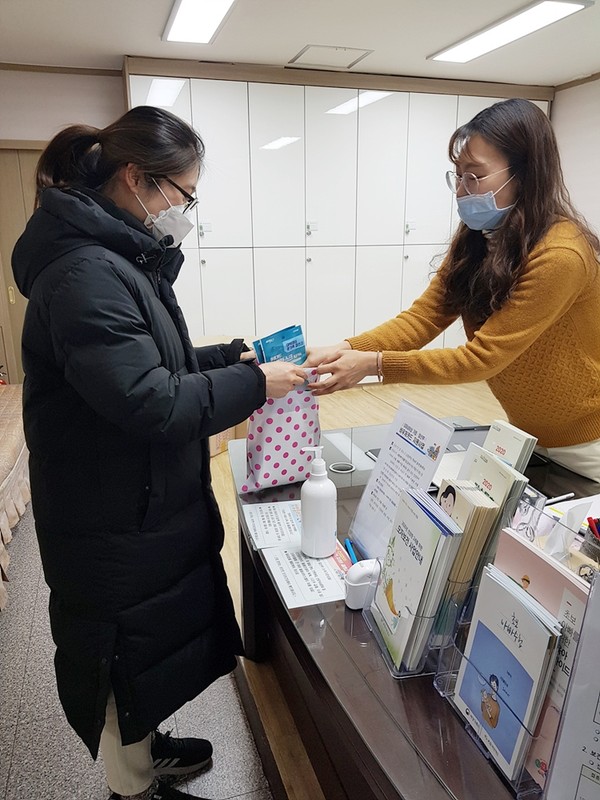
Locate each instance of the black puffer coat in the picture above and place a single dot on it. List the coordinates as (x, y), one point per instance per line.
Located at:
(117, 408)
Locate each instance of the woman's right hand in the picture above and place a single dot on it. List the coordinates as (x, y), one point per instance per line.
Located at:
(282, 377)
(315, 356)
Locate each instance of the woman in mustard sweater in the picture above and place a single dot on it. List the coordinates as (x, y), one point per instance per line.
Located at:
(522, 272)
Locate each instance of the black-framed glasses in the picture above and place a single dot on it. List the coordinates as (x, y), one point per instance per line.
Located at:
(469, 181)
(191, 201)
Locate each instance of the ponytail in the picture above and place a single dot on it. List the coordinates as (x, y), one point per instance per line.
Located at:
(70, 159)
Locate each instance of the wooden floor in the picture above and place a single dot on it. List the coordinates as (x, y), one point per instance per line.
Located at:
(369, 404)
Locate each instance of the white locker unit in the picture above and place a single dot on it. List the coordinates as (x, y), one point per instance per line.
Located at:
(228, 291)
(276, 114)
(279, 288)
(381, 180)
(378, 285)
(330, 166)
(220, 115)
(432, 120)
(330, 294)
(420, 263)
(188, 290)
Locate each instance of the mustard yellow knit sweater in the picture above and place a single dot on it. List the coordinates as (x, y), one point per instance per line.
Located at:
(540, 353)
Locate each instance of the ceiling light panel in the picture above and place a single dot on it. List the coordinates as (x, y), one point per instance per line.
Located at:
(507, 30)
(196, 20)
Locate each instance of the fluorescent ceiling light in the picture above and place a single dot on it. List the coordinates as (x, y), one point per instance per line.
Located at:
(529, 19)
(195, 20)
(283, 141)
(363, 99)
(164, 92)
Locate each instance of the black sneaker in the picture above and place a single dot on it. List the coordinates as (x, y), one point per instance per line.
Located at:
(181, 757)
(160, 791)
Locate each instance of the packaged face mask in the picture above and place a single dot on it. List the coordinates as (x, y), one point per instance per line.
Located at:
(284, 345)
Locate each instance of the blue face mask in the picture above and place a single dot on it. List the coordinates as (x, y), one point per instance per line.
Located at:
(479, 212)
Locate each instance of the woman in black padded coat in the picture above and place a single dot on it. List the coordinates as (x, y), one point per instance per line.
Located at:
(118, 406)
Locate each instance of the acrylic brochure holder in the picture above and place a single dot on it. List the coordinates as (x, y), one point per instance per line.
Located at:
(543, 528)
(491, 706)
(437, 630)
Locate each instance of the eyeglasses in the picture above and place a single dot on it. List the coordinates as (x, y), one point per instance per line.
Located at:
(191, 201)
(469, 181)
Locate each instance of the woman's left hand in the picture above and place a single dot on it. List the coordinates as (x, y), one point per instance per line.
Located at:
(347, 369)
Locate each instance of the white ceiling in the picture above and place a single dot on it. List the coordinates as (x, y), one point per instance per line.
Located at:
(401, 34)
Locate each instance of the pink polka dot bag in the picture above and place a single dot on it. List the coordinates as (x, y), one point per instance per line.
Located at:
(276, 434)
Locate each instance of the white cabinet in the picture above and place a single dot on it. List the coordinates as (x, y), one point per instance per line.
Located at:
(420, 263)
(330, 294)
(227, 291)
(382, 143)
(277, 164)
(220, 115)
(432, 120)
(279, 288)
(172, 94)
(330, 166)
(378, 285)
(188, 290)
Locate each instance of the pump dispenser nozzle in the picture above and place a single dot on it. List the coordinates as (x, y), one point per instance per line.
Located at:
(318, 466)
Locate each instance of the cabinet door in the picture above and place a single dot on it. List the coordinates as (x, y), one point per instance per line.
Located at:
(382, 142)
(329, 294)
(188, 290)
(420, 263)
(431, 122)
(220, 115)
(227, 292)
(172, 94)
(277, 164)
(280, 288)
(378, 285)
(330, 166)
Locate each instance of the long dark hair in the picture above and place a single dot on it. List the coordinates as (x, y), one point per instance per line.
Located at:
(480, 272)
(156, 141)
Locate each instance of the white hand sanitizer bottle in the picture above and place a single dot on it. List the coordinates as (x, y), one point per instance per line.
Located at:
(318, 510)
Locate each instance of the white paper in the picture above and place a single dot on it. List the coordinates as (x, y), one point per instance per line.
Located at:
(304, 581)
(273, 524)
(575, 769)
(408, 458)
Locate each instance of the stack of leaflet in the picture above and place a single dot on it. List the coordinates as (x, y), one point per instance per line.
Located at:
(563, 594)
(413, 578)
(508, 661)
(499, 481)
(476, 514)
(510, 444)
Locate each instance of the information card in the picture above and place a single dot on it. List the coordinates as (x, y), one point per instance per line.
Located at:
(408, 458)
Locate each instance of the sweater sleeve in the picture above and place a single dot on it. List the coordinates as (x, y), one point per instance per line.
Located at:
(552, 282)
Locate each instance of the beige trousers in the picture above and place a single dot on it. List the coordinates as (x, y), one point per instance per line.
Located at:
(128, 767)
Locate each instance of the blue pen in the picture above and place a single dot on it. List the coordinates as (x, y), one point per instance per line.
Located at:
(350, 549)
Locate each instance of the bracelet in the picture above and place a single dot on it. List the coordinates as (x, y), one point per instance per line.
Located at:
(379, 368)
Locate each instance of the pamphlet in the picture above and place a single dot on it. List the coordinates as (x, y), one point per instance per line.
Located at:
(408, 459)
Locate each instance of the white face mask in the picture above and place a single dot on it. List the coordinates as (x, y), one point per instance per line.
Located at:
(170, 222)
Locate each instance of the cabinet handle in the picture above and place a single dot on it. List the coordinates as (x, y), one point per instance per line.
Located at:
(203, 261)
(308, 260)
(406, 256)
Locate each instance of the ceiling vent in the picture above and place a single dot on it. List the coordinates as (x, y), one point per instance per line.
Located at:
(317, 56)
